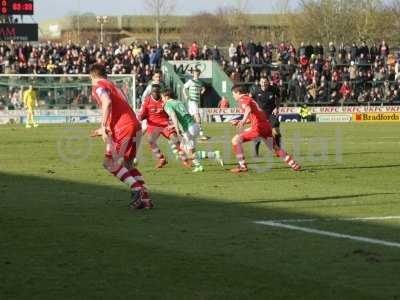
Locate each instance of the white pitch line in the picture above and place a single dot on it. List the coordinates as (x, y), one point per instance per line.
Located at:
(338, 219)
(331, 234)
(371, 218)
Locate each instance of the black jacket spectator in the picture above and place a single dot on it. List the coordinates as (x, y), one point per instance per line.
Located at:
(309, 51)
(353, 51)
(319, 50)
(363, 50)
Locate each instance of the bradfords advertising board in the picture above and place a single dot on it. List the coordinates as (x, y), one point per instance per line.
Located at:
(187, 66)
(334, 118)
(377, 117)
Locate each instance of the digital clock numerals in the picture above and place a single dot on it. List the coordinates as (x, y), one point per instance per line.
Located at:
(4, 7)
(26, 7)
(11, 7)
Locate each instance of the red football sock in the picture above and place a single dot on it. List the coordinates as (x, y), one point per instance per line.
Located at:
(126, 177)
(238, 149)
(287, 158)
(137, 175)
(156, 151)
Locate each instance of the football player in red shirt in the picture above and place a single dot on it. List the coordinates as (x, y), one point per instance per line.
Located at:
(260, 129)
(121, 132)
(153, 111)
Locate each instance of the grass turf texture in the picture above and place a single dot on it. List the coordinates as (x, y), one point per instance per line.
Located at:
(66, 232)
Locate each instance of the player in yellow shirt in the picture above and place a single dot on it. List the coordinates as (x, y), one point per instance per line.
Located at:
(30, 102)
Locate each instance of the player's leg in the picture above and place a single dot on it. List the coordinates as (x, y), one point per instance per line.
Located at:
(213, 155)
(29, 117)
(130, 151)
(189, 143)
(113, 165)
(153, 133)
(237, 144)
(197, 167)
(282, 154)
(257, 144)
(195, 112)
(175, 145)
(33, 118)
(276, 133)
(176, 148)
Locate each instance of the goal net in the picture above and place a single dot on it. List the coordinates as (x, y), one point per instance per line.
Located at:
(59, 91)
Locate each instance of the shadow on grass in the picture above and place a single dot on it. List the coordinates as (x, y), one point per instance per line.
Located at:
(335, 167)
(69, 240)
(306, 199)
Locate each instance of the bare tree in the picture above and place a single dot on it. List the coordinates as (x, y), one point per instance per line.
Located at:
(159, 9)
(73, 22)
(340, 21)
(207, 28)
(282, 6)
(241, 5)
(392, 17)
(238, 19)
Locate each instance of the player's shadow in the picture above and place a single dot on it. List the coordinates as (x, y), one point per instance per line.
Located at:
(307, 199)
(62, 239)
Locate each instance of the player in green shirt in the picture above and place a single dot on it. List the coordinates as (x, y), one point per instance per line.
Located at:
(192, 91)
(187, 129)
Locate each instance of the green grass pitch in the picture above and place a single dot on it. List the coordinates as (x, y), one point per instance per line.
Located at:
(66, 231)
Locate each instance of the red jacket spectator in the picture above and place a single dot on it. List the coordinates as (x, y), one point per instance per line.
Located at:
(345, 90)
(276, 77)
(304, 61)
(194, 51)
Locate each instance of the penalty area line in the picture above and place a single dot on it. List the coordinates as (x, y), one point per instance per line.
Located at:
(330, 234)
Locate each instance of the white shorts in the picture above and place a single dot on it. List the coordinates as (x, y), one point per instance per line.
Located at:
(189, 140)
(193, 107)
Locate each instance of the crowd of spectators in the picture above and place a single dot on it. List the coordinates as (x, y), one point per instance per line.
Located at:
(310, 74)
(314, 74)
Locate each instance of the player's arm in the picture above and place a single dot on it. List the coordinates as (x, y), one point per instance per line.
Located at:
(203, 90)
(106, 111)
(245, 120)
(185, 90)
(143, 113)
(174, 119)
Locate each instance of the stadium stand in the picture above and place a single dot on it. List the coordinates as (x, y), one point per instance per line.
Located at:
(343, 75)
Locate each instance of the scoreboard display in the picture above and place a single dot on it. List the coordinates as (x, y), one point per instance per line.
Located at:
(19, 32)
(16, 7)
